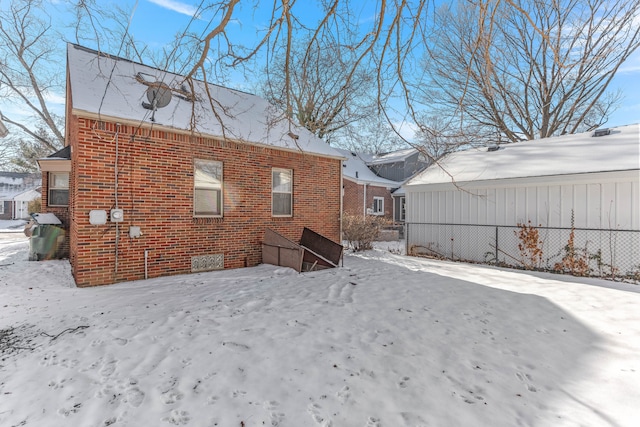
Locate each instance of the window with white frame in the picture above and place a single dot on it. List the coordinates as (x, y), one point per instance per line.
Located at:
(402, 208)
(1, 207)
(378, 205)
(58, 189)
(281, 192)
(207, 194)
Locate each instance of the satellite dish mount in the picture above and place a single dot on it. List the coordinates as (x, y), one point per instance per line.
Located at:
(159, 96)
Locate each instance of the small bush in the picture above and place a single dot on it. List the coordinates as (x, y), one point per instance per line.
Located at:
(575, 261)
(361, 231)
(34, 206)
(530, 246)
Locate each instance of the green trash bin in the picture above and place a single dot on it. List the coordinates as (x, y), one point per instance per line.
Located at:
(47, 239)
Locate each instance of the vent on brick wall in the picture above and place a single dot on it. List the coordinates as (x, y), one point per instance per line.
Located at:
(207, 262)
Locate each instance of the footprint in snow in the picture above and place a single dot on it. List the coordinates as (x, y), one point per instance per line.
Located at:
(134, 396)
(177, 418)
(275, 417)
(344, 394)
(373, 422)
(316, 415)
(108, 368)
(525, 378)
(120, 341)
(70, 411)
(404, 382)
(238, 393)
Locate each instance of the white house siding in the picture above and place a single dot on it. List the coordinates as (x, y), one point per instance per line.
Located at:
(606, 200)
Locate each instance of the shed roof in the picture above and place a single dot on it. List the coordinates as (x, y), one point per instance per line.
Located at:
(563, 155)
(113, 87)
(354, 164)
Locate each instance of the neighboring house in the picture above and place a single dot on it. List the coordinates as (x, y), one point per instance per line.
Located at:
(17, 189)
(365, 193)
(159, 179)
(400, 166)
(474, 204)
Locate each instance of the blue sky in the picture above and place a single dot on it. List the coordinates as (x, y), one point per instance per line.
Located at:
(155, 23)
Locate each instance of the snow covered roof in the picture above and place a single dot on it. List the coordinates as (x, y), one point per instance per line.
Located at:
(14, 183)
(114, 87)
(563, 155)
(392, 157)
(27, 196)
(355, 168)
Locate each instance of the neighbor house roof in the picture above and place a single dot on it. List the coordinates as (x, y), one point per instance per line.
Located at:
(392, 157)
(355, 169)
(563, 155)
(27, 196)
(111, 87)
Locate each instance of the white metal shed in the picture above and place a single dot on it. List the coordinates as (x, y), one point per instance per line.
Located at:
(586, 181)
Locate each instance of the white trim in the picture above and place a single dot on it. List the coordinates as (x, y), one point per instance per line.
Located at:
(290, 193)
(50, 187)
(381, 200)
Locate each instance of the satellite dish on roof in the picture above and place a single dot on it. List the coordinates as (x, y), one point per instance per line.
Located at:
(159, 95)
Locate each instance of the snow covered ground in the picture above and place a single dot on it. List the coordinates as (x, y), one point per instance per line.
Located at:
(387, 340)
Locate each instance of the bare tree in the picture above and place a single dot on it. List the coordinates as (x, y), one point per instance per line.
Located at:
(524, 69)
(438, 136)
(27, 53)
(517, 69)
(30, 150)
(369, 135)
(32, 70)
(325, 95)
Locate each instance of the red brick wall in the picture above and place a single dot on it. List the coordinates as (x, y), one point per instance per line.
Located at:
(353, 194)
(352, 200)
(155, 189)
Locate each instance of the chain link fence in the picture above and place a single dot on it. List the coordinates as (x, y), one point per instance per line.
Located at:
(611, 254)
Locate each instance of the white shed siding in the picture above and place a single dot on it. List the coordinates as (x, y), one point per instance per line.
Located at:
(608, 201)
(611, 203)
(590, 183)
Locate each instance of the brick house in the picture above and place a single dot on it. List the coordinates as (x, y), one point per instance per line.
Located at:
(365, 193)
(399, 165)
(165, 176)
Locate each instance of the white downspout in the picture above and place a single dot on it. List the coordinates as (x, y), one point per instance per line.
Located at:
(364, 200)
